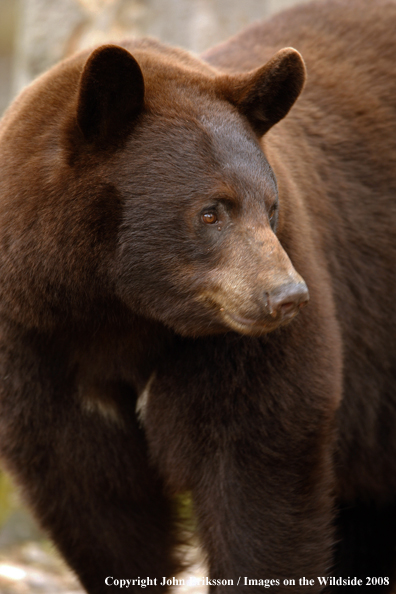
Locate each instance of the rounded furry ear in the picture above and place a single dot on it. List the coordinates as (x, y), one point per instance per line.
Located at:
(265, 95)
(111, 94)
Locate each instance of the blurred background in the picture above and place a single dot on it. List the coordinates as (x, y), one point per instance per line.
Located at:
(34, 35)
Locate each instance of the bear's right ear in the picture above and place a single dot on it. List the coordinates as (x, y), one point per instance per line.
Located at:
(110, 95)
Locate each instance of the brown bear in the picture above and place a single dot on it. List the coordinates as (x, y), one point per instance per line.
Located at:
(158, 237)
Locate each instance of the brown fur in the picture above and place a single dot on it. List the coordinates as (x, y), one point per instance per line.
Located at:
(118, 293)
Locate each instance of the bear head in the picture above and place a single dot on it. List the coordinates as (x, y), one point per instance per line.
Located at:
(133, 179)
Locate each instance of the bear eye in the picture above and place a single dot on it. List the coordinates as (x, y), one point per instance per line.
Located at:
(209, 218)
(272, 214)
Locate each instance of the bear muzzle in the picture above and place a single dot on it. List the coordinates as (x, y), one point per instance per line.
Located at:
(277, 308)
(255, 288)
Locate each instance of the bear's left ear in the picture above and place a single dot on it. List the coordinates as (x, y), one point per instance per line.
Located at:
(265, 95)
(110, 95)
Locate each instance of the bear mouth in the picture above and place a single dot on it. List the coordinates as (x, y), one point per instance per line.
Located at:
(249, 326)
(257, 326)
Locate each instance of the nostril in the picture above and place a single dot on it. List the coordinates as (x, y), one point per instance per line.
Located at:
(287, 307)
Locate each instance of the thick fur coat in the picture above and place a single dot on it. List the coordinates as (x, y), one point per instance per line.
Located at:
(198, 295)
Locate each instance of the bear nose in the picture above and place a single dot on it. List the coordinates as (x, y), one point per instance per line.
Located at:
(285, 301)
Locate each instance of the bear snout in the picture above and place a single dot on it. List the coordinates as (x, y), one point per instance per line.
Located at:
(285, 301)
(275, 308)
